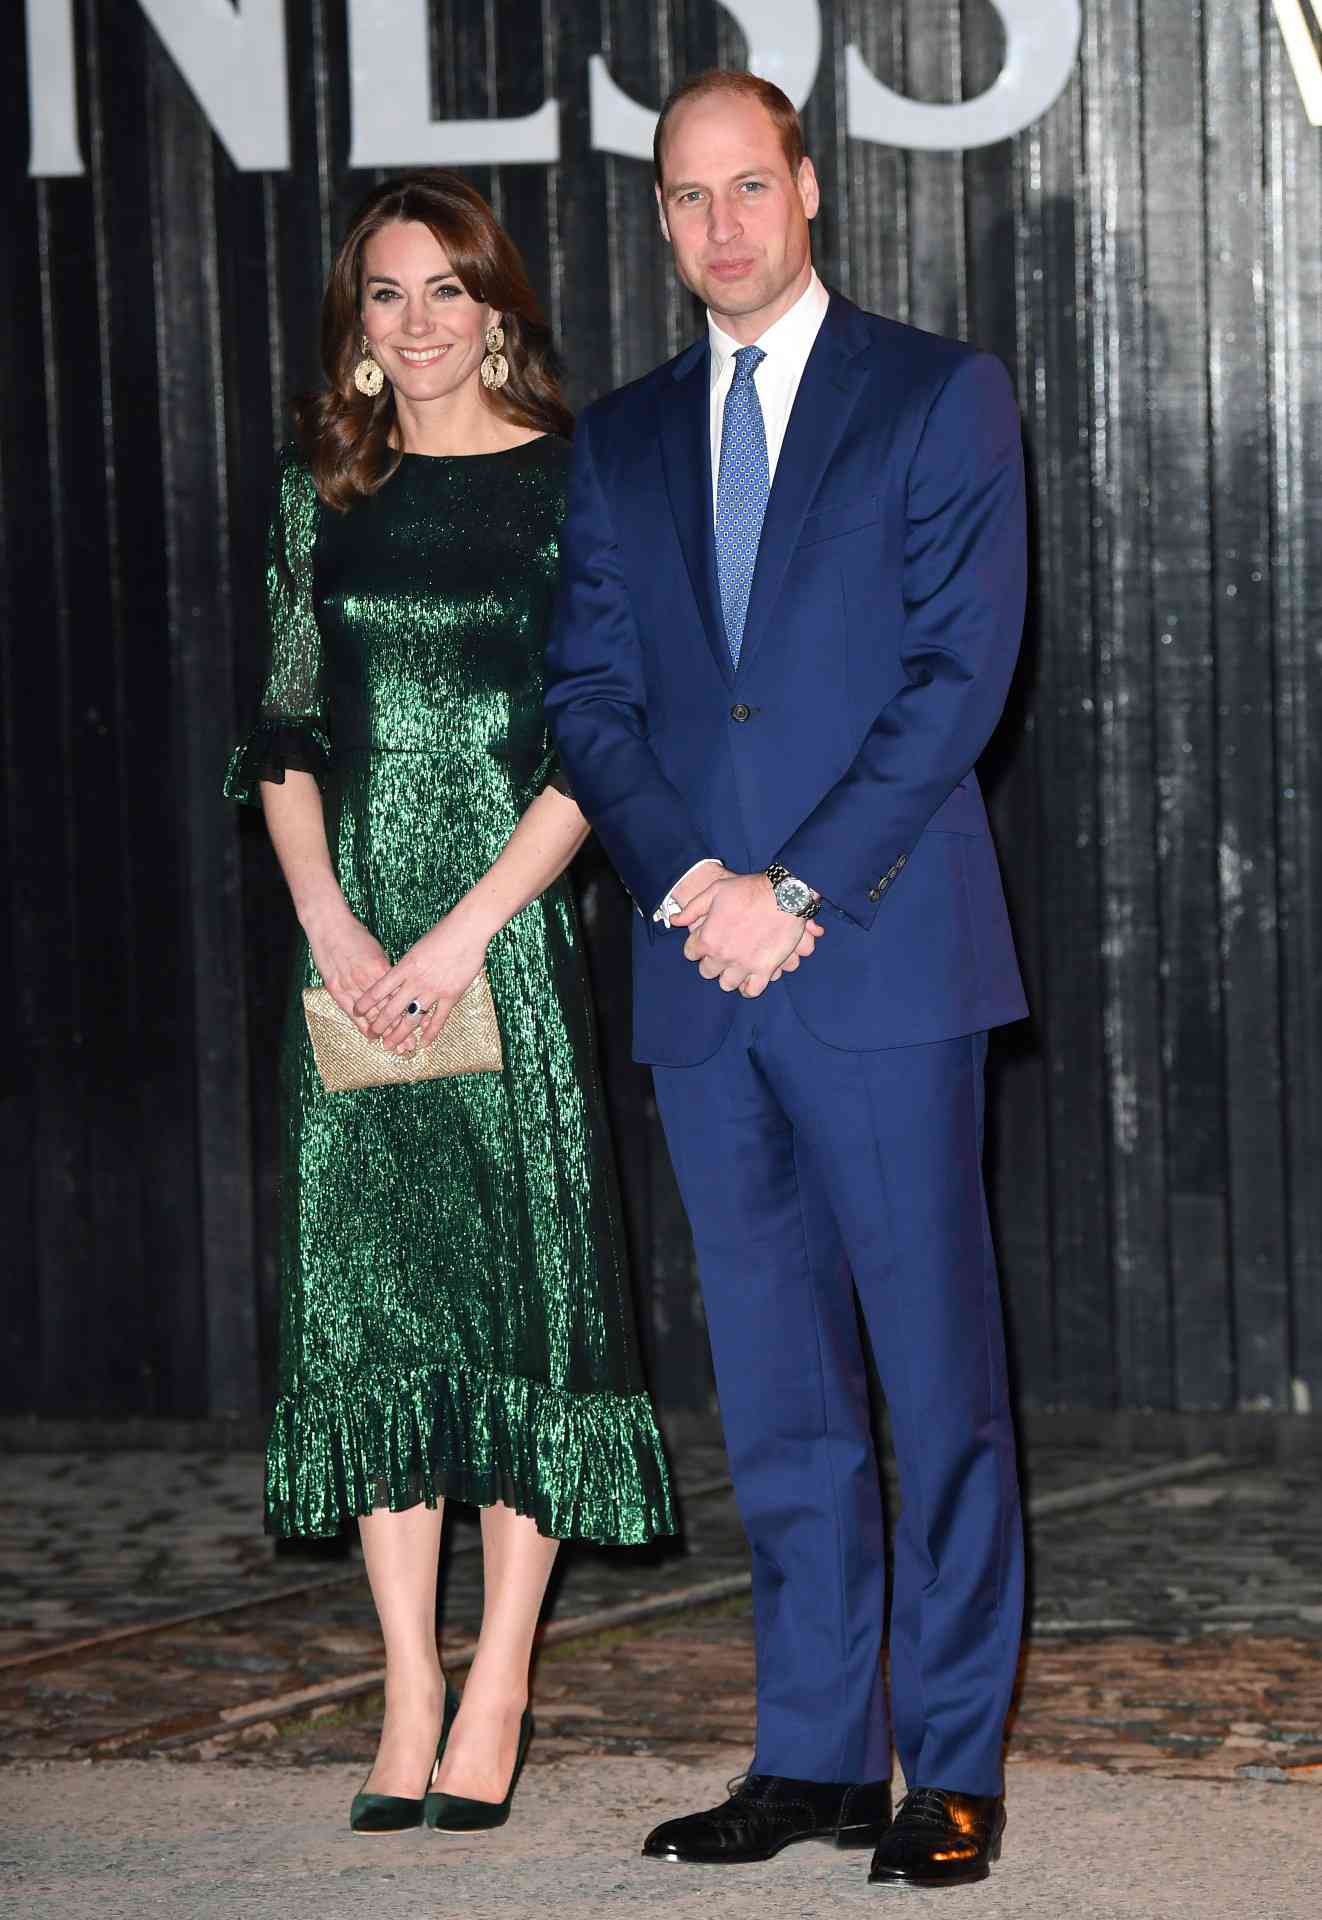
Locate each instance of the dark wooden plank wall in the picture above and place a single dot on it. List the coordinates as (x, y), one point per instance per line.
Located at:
(1147, 259)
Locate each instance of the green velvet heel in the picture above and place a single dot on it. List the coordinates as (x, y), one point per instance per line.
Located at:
(389, 1812)
(451, 1813)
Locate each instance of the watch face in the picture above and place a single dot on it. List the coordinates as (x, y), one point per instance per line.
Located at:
(793, 896)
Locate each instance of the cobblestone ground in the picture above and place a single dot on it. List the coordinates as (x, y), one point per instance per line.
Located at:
(1175, 1633)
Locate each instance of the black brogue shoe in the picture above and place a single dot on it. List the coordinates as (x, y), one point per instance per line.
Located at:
(766, 1812)
(940, 1839)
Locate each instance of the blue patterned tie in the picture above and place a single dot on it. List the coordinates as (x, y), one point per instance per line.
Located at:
(741, 494)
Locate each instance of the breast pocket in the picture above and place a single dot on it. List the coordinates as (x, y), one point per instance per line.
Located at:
(831, 523)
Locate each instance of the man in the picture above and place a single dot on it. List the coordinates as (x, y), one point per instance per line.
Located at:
(792, 593)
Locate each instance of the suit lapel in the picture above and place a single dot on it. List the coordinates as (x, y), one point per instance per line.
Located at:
(685, 412)
(831, 386)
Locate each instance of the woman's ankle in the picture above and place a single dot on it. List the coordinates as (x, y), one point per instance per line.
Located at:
(497, 1685)
(414, 1692)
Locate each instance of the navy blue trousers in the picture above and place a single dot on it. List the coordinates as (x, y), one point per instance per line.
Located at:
(808, 1173)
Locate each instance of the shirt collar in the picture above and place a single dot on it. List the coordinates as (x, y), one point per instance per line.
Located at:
(788, 339)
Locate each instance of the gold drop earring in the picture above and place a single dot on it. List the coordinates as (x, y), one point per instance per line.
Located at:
(495, 368)
(368, 376)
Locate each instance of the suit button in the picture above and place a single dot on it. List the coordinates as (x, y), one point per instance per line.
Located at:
(740, 712)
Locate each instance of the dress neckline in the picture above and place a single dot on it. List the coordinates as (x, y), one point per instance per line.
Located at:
(496, 453)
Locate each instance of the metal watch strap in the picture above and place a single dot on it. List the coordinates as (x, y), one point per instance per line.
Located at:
(776, 873)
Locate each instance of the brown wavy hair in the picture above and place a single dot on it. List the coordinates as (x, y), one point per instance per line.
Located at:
(347, 438)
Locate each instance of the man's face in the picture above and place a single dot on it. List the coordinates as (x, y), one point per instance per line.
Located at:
(734, 214)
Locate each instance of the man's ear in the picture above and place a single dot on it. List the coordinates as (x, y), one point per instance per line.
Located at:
(809, 191)
(661, 216)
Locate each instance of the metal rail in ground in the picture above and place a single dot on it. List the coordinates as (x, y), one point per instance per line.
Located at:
(1118, 1486)
(273, 1597)
(191, 1730)
(163, 1735)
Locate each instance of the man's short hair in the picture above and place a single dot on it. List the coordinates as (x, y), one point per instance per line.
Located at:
(719, 80)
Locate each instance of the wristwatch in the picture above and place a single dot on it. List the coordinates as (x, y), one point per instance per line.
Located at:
(792, 895)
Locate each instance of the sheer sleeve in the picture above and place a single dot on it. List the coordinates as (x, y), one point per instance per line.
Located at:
(291, 728)
(550, 773)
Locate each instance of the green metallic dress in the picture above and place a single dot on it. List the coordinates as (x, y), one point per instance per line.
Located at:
(455, 1315)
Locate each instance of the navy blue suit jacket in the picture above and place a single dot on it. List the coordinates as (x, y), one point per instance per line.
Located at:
(882, 632)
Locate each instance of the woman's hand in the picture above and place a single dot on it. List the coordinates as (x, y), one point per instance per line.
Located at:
(347, 957)
(434, 972)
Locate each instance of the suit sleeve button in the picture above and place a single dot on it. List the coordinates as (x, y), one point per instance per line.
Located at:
(874, 893)
(740, 712)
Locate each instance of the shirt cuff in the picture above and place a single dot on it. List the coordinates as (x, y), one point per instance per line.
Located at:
(670, 906)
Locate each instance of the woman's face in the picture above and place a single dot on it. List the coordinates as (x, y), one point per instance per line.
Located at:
(424, 330)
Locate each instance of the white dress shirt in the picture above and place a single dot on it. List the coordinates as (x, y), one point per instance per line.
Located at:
(786, 343)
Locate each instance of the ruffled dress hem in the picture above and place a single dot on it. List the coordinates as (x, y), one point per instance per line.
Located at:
(582, 1466)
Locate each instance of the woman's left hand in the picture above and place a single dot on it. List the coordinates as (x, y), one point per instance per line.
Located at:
(434, 972)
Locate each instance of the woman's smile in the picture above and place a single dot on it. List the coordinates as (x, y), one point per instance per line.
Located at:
(422, 356)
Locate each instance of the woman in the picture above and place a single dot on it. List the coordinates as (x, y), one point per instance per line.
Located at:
(455, 1318)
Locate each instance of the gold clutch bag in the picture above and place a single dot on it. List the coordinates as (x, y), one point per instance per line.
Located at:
(469, 1042)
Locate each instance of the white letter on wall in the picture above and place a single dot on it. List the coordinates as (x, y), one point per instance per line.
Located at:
(784, 45)
(389, 72)
(233, 62)
(1303, 54)
(52, 90)
(1042, 43)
